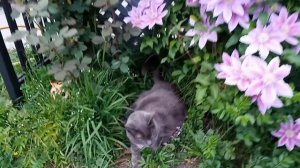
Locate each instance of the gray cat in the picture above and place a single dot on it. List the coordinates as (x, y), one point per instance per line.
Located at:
(156, 116)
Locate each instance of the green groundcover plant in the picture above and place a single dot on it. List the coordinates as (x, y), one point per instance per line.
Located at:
(235, 63)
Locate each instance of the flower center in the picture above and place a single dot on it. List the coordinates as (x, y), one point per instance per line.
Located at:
(286, 28)
(289, 133)
(269, 79)
(264, 37)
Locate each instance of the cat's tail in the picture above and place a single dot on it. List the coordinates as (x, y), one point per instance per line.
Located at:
(152, 65)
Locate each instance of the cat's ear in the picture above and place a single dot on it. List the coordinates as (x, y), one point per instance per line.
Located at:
(151, 123)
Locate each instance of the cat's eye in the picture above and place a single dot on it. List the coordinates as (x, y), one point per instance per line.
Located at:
(140, 136)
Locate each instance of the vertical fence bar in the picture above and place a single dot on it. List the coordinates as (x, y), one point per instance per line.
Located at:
(8, 73)
(13, 27)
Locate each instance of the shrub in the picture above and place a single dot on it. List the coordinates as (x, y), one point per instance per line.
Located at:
(241, 107)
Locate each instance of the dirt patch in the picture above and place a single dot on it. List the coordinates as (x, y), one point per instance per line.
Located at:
(124, 160)
(189, 163)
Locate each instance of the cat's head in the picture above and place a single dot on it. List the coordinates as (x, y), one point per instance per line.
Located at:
(140, 130)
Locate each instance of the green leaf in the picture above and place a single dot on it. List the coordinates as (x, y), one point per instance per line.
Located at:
(292, 57)
(58, 41)
(86, 60)
(78, 54)
(176, 72)
(126, 36)
(203, 79)
(174, 47)
(135, 31)
(164, 60)
(115, 64)
(200, 94)
(264, 18)
(70, 65)
(53, 8)
(106, 31)
(124, 59)
(234, 39)
(14, 14)
(196, 59)
(113, 2)
(42, 4)
(44, 14)
(124, 68)
(64, 30)
(149, 43)
(200, 26)
(214, 90)
(70, 33)
(32, 39)
(60, 76)
(100, 3)
(18, 35)
(97, 40)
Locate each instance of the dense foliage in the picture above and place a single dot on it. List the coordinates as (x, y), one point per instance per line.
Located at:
(240, 121)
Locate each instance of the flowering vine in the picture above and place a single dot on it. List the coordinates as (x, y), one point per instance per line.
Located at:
(289, 134)
(147, 13)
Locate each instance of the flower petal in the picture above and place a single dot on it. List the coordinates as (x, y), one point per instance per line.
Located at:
(277, 103)
(245, 39)
(227, 14)
(251, 49)
(263, 52)
(283, 89)
(283, 71)
(276, 47)
(202, 41)
(274, 64)
(282, 141)
(238, 9)
(254, 88)
(191, 32)
(268, 95)
(290, 144)
(213, 37)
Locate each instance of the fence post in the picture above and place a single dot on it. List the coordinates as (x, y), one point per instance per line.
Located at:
(8, 73)
(13, 27)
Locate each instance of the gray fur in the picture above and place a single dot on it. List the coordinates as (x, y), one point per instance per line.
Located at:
(156, 114)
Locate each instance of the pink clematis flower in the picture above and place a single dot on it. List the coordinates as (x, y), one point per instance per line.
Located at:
(154, 15)
(287, 135)
(136, 19)
(264, 107)
(205, 35)
(225, 7)
(147, 3)
(242, 20)
(263, 7)
(263, 39)
(192, 3)
(269, 83)
(287, 25)
(228, 62)
(147, 13)
(232, 71)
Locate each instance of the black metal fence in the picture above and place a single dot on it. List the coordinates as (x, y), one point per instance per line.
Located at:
(12, 80)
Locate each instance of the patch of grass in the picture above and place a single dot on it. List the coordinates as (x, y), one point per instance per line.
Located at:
(85, 130)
